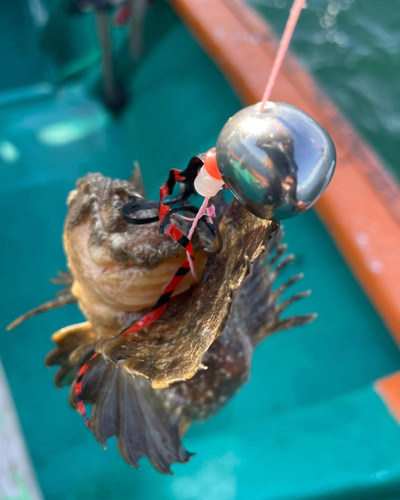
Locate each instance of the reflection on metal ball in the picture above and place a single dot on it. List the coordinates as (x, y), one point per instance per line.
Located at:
(277, 162)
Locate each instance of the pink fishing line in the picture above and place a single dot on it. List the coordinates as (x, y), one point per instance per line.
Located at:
(211, 212)
(190, 219)
(283, 47)
(199, 215)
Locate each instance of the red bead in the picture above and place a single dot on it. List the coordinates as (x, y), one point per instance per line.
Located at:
(210, 164)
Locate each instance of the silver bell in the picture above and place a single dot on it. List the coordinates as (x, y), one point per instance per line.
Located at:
(277, 162)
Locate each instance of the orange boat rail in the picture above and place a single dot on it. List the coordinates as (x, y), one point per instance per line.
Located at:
(388, 390)
(361, 207)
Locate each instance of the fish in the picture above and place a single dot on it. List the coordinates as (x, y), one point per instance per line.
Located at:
(148, 387)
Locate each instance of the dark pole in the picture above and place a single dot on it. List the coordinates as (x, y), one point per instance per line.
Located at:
(137, 10)
(103, 33)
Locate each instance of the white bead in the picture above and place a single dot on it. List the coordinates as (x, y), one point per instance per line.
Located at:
(206, 185)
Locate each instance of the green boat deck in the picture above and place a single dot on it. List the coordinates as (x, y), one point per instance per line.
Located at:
(309, 425)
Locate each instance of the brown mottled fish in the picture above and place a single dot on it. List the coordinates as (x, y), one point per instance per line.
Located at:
(147, 388)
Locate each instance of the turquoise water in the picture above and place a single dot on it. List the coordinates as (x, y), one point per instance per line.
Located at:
(352, 47)
(309, 424)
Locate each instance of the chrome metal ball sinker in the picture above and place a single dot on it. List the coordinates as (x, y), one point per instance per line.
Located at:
(277, 161)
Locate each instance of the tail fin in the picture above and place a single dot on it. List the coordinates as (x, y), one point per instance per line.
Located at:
(128, 408)
(122, 406)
